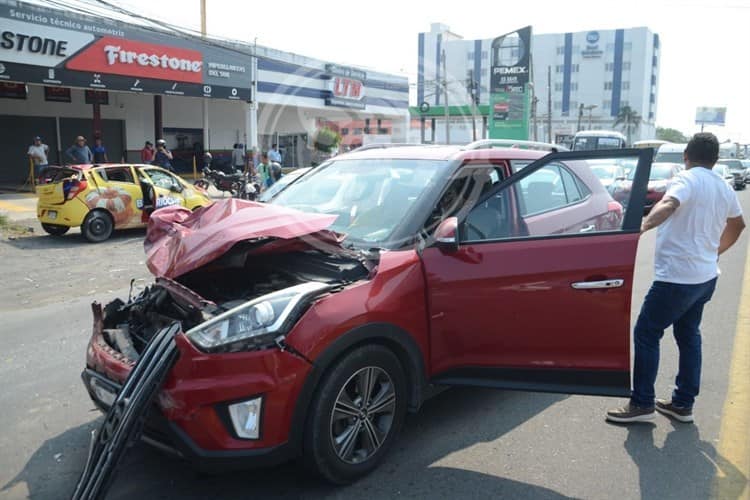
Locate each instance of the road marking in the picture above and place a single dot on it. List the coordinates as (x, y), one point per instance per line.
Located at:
(12, 207)
(732, 478)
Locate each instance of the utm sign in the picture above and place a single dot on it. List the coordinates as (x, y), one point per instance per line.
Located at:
(348, 88)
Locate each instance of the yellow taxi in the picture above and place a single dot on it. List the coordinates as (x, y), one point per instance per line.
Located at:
(102, 198)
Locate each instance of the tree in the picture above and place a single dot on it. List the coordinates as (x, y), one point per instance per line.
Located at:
(629, 119)
(326, 140)
(670, 135)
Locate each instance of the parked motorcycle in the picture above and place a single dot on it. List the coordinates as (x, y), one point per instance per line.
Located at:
(231, 183)
(251, 188)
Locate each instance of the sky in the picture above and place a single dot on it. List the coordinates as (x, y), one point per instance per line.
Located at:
(705, 44)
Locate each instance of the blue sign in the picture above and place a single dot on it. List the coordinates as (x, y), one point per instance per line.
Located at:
(592, 37)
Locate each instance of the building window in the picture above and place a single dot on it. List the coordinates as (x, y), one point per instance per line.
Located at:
(470, 56)
(653, 98)
(607, 104)
(344, 131)
(574, 68)
(559, 68)
(383, 131)
(625, 85)
(628, 46)
(651, 115)
(560, 51)
(609, 67)
(626, 66)
(558, 87)
(654, 61)
(357, 131)
(653, 79)
(574, 86)
(607, 85)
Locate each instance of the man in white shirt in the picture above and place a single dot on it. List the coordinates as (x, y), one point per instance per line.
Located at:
(699, 218)
(274, 154)
(38, 153)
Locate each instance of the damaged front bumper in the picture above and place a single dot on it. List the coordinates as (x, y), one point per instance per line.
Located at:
(189, 415)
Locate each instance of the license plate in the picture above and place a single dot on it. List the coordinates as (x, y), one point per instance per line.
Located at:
(52, 215)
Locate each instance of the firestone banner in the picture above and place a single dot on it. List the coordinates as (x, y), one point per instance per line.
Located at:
(59, 48)
(509, 97)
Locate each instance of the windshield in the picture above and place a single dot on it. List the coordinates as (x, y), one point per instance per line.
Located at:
(658, 173)
(370, 197)
(587, 143)
(281, 184)
(669, 157)
(604, 172)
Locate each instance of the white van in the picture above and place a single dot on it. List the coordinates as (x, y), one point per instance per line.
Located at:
(587, 140)
(670, 153)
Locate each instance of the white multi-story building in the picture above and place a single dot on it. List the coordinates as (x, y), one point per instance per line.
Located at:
(593, 75)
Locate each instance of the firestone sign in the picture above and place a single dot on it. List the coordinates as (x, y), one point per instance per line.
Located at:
(125, 57)
(49, 47)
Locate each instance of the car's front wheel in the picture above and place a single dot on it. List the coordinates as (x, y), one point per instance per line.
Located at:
(358, 410)
(55, 229)
(97, 226)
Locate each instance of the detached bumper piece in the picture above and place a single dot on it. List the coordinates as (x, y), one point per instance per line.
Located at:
(123, 423)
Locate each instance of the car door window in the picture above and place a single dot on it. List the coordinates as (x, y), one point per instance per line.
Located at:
(468, 185)
(559, 198)
(117, 174)
(162, 179)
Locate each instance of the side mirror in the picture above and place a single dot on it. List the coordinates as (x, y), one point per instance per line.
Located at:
(446, 235)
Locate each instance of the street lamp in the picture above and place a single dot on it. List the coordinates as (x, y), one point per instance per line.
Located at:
(590, 108)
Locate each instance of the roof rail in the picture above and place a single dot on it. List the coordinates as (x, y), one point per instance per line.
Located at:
(512, 143)
(383, 145)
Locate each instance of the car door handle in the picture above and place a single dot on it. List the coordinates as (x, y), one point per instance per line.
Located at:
(593, 285)
(587, 229)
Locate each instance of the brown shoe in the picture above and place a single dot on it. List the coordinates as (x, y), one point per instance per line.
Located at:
(665, 407)
(630, 413)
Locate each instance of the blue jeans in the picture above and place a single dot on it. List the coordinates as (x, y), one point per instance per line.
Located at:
(682, 307)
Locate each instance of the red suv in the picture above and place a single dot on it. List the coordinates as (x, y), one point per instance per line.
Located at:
(312, 325)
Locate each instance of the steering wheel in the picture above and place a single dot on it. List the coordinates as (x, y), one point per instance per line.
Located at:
(474, 228)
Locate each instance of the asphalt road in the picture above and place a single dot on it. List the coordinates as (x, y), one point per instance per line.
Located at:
(465, 443)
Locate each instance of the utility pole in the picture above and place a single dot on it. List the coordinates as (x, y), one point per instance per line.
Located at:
(589, 108)
(471, 85)
(204, 100)
(549, 104)
(445, 104)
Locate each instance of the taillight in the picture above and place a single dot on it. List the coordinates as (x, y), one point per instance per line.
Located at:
(73, 188)
(614, 206)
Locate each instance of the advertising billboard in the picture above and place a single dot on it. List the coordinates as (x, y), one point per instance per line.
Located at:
(710, 116)
(510, 75)
(59, 48)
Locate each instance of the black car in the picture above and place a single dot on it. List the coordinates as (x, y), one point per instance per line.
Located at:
(739, 171)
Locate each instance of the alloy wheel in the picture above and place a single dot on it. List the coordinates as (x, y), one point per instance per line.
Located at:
(363, 414)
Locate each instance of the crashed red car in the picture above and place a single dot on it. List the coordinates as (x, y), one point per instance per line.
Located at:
(310, 326)
(661, 175)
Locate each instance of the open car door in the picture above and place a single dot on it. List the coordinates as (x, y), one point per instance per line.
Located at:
(529, 286)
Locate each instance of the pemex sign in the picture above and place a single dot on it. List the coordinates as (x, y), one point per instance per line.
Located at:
(509, 97)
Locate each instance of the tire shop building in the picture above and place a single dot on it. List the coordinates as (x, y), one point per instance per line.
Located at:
(64, 73)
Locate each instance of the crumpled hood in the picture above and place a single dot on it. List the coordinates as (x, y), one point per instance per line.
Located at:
(179, 241)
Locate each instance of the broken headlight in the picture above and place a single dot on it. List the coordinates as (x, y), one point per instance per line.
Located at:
(256, 322)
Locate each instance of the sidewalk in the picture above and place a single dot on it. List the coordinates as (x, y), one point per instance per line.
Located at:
(18, 206)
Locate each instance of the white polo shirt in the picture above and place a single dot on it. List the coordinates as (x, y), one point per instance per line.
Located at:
(687, 243)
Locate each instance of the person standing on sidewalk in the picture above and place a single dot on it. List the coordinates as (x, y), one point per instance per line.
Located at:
(100, 152)
(699, 218)
(147, 153)
(79, 153)
(38, 153)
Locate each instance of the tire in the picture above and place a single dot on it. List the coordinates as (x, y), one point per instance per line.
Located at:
(340, 388)
(55, 229)
(97, 226)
